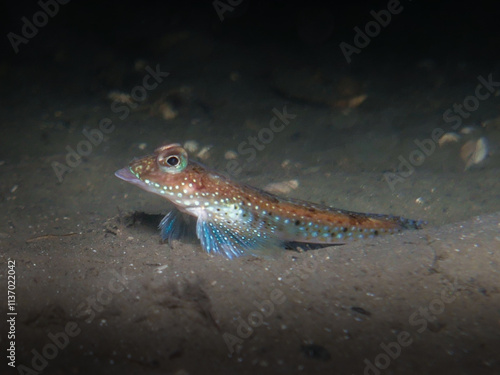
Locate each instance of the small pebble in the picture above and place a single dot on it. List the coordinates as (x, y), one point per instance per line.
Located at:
(191, 146)
(204, 153)
(467, 130)
(474, 152)
(493, 123)
(230, 155)
(283, 187)
(120, 97)
(161, 268)
(167, 111)
(448, 138)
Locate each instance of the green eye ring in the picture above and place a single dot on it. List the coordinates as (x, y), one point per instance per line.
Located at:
(172, 159)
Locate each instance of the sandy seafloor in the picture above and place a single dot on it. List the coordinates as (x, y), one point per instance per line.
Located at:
(87, 251)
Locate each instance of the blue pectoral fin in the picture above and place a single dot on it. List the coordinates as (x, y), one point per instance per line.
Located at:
(172, 226)
(234, 242)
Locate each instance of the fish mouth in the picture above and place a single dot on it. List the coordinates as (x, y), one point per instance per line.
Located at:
(126, 174)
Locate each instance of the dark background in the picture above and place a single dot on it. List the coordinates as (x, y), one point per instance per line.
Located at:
(438, 29)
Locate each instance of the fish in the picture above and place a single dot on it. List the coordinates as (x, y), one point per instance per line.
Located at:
(235, 219)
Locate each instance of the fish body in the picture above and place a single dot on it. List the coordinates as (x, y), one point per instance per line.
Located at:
(236, 219)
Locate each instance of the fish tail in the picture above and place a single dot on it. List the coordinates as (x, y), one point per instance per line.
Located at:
(398, 222)
(409, 223)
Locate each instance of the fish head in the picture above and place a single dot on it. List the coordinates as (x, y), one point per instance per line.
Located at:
(168, 172)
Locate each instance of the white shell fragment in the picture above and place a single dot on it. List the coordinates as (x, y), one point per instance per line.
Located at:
(420, 200)
(230, 155)
(448, 138)
(120, 97)
(474, 152)
(204, 153)
(493, 123)
(167, 111)
(283, 187)
(467, 130)
(191, 146)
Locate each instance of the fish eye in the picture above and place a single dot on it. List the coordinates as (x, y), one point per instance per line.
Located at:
(172, 158)
(173, 161)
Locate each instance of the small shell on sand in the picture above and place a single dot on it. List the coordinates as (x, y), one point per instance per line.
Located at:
(120, 97)
(467, 130)
(191, 146)
(474, 152)
(356, 101)
(204, 153)
(230, 155)
(351, 103)
(283, 187)
(448, 138)
(493, 123)
(167, 111)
